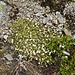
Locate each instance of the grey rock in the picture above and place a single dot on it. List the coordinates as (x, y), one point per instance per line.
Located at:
(35, 10)
(47, 9)
(49, 23)
(60, 18)
(41, 20)
(28, 15)
(45, 20)
(69, 9)
(73, 36)
(5, 37)
(38, 14)
(8, 57)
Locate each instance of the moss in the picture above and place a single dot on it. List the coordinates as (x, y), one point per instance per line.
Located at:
(67, 67)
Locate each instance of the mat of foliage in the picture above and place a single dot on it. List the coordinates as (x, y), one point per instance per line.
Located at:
(35, 41)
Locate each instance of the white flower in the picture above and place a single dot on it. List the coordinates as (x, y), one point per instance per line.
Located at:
(54, 51)
(34, 45)
(60, 32)
(45, 51)
(42, 54)
(46, 26)
(63, 46)
(36, 58)
(47, 61)
(25, 42)
(34, 53)
(50, 53)
(66, 56)
(38, 51)
(38, 62)
(12, 40)
(20, 57)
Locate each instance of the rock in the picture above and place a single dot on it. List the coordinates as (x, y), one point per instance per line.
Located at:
(49, 23)
(60, 18)
(28, 15)
(5, 37)
(73, 36)
(47, 9)
(49, 17)
(66, 53)
(35, 10)
(69, 9)
(2, 3)
(38, 14)
(55, 21)
(67, 32)
(40, 20)
(8, 57)
(44, 20)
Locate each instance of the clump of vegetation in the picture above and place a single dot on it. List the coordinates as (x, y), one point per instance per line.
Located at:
(34, 41)
(59, 49)
(67, 66)
(29, 39)
(59, 46)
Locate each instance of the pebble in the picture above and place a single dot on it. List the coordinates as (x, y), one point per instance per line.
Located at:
(38, 14)
(73, 36)
(8, 57)
(44, 20)
(60, 18)
(5, 37)
(67, 32)
(66, 53)
(55, 21)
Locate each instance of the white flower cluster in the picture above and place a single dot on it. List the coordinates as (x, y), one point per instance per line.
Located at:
(31, 39)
